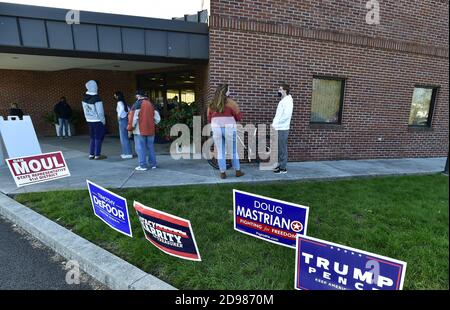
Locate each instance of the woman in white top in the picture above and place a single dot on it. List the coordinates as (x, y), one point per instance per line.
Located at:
(122, 117)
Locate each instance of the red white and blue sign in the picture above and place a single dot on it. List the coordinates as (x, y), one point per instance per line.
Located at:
(171, 234)
(110, 208)
(269, 219)
(323, 265)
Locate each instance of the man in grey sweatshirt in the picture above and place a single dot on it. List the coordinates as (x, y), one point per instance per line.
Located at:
(95, 117)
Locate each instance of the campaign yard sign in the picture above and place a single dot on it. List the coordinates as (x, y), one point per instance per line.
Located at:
(171, 234)
(269, 219)
(323, 265)
(110, 208)
(39, 168)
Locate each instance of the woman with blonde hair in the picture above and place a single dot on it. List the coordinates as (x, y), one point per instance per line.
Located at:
(223, 113)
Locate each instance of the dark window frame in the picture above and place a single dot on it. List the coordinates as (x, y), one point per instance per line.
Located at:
(341, 99)
(432, 105)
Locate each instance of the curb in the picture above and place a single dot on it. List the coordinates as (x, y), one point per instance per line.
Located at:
(103, 266)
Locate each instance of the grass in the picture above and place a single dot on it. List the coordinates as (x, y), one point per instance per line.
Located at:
(405, 218)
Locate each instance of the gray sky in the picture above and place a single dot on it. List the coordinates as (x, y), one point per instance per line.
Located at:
(148, 8)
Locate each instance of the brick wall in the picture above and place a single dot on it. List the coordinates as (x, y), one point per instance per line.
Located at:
(252, 52)
(419, 21)
(36, 93)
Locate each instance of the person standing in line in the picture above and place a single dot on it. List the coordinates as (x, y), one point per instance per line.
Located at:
(122, 117)
(281, 124)
(141, 123)
(15, 111)
(223, 112)
(95, 117)
(63, 113)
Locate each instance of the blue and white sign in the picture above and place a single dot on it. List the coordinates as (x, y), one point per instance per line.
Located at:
(269, 219)
(323, 265)
(110, 208)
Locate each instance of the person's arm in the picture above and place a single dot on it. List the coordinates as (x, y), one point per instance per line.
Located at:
(237, 114)
(209, 114)
(135, 118)
(55, 110)
(120, 109)
(278, 115)
(100, 111)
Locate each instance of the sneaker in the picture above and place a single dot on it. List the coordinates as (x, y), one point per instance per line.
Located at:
(126, 156)
(154, 167)
(281, 171)
(223, 175)
(276, 170)
(91, 157)
(100, 157)
(239, 173)
(139, 168)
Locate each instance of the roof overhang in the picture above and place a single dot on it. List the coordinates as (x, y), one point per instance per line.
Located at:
(35, 30)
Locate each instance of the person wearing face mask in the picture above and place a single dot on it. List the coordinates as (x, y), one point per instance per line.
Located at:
(223, 112)
(281, 124)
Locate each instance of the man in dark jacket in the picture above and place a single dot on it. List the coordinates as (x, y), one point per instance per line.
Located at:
(15, 111)
(63, 113)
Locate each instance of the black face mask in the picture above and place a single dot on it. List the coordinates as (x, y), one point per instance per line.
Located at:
(280, 94)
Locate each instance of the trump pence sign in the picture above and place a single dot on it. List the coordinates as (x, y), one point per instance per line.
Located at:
(323, 265)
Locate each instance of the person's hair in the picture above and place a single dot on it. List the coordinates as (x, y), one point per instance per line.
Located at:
(121, 97)
(220, 98)
(286, 87)
(141, 93)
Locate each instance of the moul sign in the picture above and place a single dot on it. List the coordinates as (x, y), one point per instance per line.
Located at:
(28, 170)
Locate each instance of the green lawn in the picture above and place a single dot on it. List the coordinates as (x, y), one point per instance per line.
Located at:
(405, 218)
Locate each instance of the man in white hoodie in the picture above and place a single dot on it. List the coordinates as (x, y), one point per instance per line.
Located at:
(281, 123)
(95, 117)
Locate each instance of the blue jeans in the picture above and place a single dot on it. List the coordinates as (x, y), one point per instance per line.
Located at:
(97, 133)
(144, 148)
(123, 133)
(223, 137)
(63, 123)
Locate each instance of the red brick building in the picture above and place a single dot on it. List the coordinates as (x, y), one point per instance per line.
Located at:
(360, 90)
(256, 44)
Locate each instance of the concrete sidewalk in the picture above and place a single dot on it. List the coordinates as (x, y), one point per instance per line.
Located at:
(117, 173)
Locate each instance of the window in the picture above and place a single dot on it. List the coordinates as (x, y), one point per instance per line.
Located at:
(188, 96)
(422, 106)
(327, 100)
